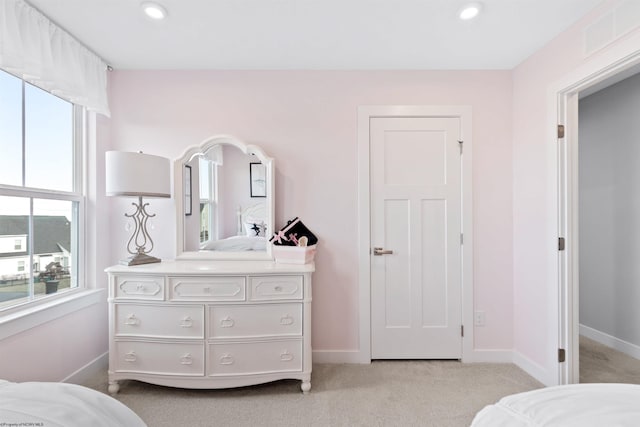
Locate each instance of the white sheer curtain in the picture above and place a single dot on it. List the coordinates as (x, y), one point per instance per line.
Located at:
(34, 48)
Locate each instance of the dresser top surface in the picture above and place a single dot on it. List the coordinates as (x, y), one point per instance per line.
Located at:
(184, 267)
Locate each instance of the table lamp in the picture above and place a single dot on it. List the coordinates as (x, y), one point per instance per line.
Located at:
(138, 175)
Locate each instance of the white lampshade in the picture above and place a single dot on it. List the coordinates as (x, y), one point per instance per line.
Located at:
(137, 174)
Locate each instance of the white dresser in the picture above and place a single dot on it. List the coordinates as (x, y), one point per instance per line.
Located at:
(210, 324)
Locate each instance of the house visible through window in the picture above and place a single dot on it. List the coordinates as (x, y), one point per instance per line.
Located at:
(40, 191)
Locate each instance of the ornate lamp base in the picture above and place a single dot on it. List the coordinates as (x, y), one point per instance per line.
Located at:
(140, 237)
(139, 259)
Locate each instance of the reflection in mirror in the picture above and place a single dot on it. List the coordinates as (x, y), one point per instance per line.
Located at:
(227, 201)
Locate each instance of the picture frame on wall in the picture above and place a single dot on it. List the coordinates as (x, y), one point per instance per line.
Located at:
(258, 180)
(187, 190)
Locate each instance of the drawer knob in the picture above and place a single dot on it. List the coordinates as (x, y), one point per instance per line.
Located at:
(286, 356)
(187, 359)
(286, 320)
(132, 320)
(278, 288)
(227, 322)
(131, 357)
(226, 359)
(187, 322)
(140, 287)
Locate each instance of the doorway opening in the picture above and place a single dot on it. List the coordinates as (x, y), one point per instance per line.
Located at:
(589, 163)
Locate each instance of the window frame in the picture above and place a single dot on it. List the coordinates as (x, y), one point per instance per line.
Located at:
(77, 195)
(211, 200)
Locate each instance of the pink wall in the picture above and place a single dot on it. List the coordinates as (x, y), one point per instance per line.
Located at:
(55, 350)
(535, 191)
(307, 121)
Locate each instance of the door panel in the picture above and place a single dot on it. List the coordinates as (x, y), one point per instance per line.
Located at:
(416, 213)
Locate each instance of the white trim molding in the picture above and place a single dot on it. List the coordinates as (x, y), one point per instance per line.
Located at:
(365, 114)
(562, 177)
(489, 356)
(337, 356)
(615, 343)
(534, 369)
(89, 371)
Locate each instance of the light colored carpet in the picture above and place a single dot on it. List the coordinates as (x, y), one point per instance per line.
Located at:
(384, 393)
(602, 364)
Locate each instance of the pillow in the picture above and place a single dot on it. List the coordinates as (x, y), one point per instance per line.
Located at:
(255, 228)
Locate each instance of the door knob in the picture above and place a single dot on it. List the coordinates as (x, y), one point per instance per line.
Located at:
(380, 251)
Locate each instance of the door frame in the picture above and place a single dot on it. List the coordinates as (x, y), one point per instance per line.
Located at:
(563, 155)
(365, 114)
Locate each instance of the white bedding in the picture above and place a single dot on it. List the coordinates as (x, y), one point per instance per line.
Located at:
(61, 405)
(236, 244)
(577, 405)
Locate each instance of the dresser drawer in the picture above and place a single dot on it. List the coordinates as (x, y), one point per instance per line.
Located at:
(168, 321)
(276, 287)
(255, 320)
(139, 287)
(254, 357)
(207, 288)
(159, 358)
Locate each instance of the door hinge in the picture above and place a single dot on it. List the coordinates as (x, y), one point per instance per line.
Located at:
(460, 143)
(462, 238)
(562, 356)
(462, 331)
(560, 131)
(561, 243)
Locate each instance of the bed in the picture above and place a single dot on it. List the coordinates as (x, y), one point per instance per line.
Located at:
(61, 405)
(251, 232)
(576, 405)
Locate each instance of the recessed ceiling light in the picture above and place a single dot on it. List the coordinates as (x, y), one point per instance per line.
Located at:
(470, 11)
(154, 10)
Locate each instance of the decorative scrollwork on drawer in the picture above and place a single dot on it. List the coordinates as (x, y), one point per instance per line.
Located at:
(131, 357)
(286, 320)
(227, 359)
(187, 359)
(227, 322)
(187, 322)
(285, 356)
(132, 320)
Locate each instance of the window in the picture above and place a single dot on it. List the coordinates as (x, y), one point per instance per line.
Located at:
(40, 191)
(208, 198)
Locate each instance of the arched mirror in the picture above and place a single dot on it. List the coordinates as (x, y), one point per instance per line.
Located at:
(224, 194)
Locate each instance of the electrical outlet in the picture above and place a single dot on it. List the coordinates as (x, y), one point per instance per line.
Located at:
(479, 319)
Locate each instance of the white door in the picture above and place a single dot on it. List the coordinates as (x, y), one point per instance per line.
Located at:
(416, 214)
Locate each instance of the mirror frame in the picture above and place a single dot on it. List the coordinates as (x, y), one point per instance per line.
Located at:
(178, 177)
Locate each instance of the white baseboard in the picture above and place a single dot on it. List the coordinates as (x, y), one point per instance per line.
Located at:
(611, 341)
(338, 356)
(355, 356)
(534, 369)
(89, 371)
(489, 356)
